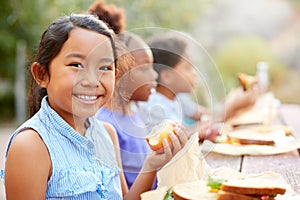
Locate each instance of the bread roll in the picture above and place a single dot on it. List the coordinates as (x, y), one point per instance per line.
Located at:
(159, 133)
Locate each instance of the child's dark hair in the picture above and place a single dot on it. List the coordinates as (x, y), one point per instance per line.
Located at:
(51, 43)
(111, 14)
(167, 51)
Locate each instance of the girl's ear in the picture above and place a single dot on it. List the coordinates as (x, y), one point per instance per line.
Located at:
(39, 74)
(116, 73)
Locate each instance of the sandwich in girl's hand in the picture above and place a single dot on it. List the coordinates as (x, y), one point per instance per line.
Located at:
(159, 133)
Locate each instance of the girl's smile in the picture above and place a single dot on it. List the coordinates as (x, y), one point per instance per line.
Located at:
(80, 80)
(87, 99)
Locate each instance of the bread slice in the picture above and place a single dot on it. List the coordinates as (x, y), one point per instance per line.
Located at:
(192, 190)
(253, 190)
(184, 191)
(267, 129)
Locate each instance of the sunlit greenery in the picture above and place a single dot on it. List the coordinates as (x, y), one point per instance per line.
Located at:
(178, 15)
(25, 20)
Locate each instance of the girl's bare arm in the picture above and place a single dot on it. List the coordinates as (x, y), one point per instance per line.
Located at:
(28, 167)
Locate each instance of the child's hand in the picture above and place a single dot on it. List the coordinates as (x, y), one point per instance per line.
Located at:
(242, 99)
(203, 128)
(157, 159)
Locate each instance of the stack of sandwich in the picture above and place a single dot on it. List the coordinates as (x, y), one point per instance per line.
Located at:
(259, 135)
(253, 135)
(264, 186)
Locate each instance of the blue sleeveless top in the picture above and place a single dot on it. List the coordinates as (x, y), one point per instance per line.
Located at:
(83, 167)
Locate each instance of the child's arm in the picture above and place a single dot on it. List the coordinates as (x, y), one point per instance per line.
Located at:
(28, 167)
(200, 111)
(238, 99)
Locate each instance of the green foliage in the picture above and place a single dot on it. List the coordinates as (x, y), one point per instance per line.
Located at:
(23, 20)
(27, 19)
(7, 40)
(178, 15)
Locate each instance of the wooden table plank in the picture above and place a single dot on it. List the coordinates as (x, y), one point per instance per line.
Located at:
(287, 115)
(287, 164)
(216, 160)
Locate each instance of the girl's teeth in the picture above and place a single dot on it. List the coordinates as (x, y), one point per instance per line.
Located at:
(88, 98)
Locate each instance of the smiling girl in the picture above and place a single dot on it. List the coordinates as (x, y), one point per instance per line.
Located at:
(53, 154)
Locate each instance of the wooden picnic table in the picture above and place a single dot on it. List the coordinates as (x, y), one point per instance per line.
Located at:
(286, 164)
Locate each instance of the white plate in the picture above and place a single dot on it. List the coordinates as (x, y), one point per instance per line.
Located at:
(237, 150)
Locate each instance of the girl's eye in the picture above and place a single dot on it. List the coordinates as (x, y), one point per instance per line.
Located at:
(76, 65)
(106, 68)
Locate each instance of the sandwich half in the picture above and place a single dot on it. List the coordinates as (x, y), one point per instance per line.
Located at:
(258, 135)
(265, 186)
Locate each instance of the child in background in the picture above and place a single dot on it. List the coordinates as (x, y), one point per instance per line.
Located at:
(133, 84)
(177, 78)
(175, 75)
(62, 151)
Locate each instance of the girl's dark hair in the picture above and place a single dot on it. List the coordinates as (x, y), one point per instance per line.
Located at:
(51, 43)
(167, 50)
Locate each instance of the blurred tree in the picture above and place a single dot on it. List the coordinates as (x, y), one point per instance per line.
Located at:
(26, 19)
(23, 21)
(7, 40)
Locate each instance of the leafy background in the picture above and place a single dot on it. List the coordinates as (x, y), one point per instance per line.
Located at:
(236, 34)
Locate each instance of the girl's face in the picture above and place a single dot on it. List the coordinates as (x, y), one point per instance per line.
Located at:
(184, 77)
(142, 77)
(81, 76)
